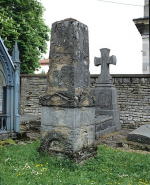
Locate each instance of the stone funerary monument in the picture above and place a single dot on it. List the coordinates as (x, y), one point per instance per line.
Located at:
(106, 112)
(68, 108)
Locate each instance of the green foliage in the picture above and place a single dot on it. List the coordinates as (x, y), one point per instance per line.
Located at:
(42, 72)
(22, 20)
(22, 165)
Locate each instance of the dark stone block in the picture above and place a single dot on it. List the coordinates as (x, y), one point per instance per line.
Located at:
(103, 126)
(107, 131)
(103, 122)
(135, 80)
(118, 80)
(141, 135)
(126, 80)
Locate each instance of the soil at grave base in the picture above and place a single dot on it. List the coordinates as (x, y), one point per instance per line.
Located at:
(113, 139)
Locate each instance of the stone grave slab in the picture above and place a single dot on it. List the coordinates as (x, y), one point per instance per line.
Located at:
(106, 97)
(140, 135)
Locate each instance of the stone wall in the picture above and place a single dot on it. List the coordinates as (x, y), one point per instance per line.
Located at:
(133, 97)
(31, 88)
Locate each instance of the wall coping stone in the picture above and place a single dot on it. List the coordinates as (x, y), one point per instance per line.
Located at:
(33, 75)
(124, 75)
(96, 75)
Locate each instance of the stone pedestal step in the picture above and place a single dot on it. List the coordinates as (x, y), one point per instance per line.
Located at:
(102, 118)
(107, 131)
(104, 125)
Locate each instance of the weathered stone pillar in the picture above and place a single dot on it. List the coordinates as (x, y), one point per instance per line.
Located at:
(68, 115)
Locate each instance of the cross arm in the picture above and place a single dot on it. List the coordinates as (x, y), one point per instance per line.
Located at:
(97, 61)
(112, 60)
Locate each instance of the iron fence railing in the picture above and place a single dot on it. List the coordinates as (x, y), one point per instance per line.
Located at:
(4, 123)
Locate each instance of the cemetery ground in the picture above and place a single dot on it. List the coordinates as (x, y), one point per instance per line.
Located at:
(21, 164)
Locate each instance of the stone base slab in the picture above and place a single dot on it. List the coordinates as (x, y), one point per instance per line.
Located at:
(78, 157)
(110, 113)
(103, 122)
(107, 122)
(67, 129)
(107, 131)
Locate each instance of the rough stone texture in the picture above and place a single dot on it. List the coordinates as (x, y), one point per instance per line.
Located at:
(67, 119)
(7, 135)
(105, 96)
(141, 134)
(28, 118)
(58, 144)
(75, 124)
(133, 98)
(68, 81)
(32, 87)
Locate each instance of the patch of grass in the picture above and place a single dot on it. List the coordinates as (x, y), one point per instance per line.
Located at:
(22, 165)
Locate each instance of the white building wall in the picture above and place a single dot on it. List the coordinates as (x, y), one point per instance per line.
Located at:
(146, 62)
(146, 8)
(43, 68)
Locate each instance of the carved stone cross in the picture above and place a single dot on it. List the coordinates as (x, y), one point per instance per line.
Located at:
(104, 61)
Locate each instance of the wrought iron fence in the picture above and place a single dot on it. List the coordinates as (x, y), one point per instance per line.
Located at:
(4, 123)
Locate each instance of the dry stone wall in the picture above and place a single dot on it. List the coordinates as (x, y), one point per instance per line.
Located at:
(133, 97)
(31, 88)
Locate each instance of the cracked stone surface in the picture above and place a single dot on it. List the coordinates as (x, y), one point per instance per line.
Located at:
(68, 80)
